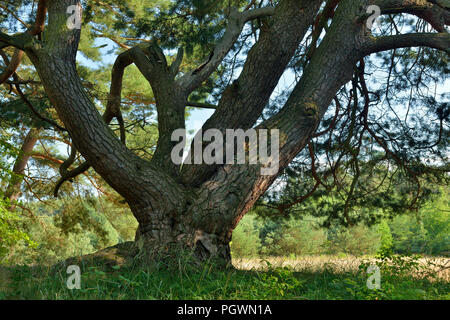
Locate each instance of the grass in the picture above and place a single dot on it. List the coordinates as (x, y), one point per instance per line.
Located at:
(274, 278)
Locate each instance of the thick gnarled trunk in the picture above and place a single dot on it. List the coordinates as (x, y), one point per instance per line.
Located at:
(163, 235)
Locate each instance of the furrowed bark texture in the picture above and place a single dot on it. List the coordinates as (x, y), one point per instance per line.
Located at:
(197, 208)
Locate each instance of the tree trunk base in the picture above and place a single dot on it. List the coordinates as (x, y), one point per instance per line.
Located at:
(195, 249)
(145, 253)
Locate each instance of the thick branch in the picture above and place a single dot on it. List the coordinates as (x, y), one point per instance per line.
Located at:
(329, 69)
(175, 67)
(13, 190)
(115, 94)
(69, 175)
(170, 100)
(12, 65)
(134, 178)
(436, 15)
(439, 41)
(236, 23)
(39, 23)
(16, 41)
(243, 101)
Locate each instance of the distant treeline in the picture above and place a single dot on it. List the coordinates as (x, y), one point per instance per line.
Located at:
(58, 229)
(426, 231)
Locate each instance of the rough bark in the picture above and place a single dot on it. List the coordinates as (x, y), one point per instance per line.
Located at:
(13, 191)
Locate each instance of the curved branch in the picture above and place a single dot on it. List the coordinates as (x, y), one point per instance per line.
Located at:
(115, 95)
(436, 15)
(175, 67)
(71, 175)
(113, 110)
(12, 65)
(13, 190)
(39, 23)
(243, 101)
(139, 55)
(440, 41)
(236, 23)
